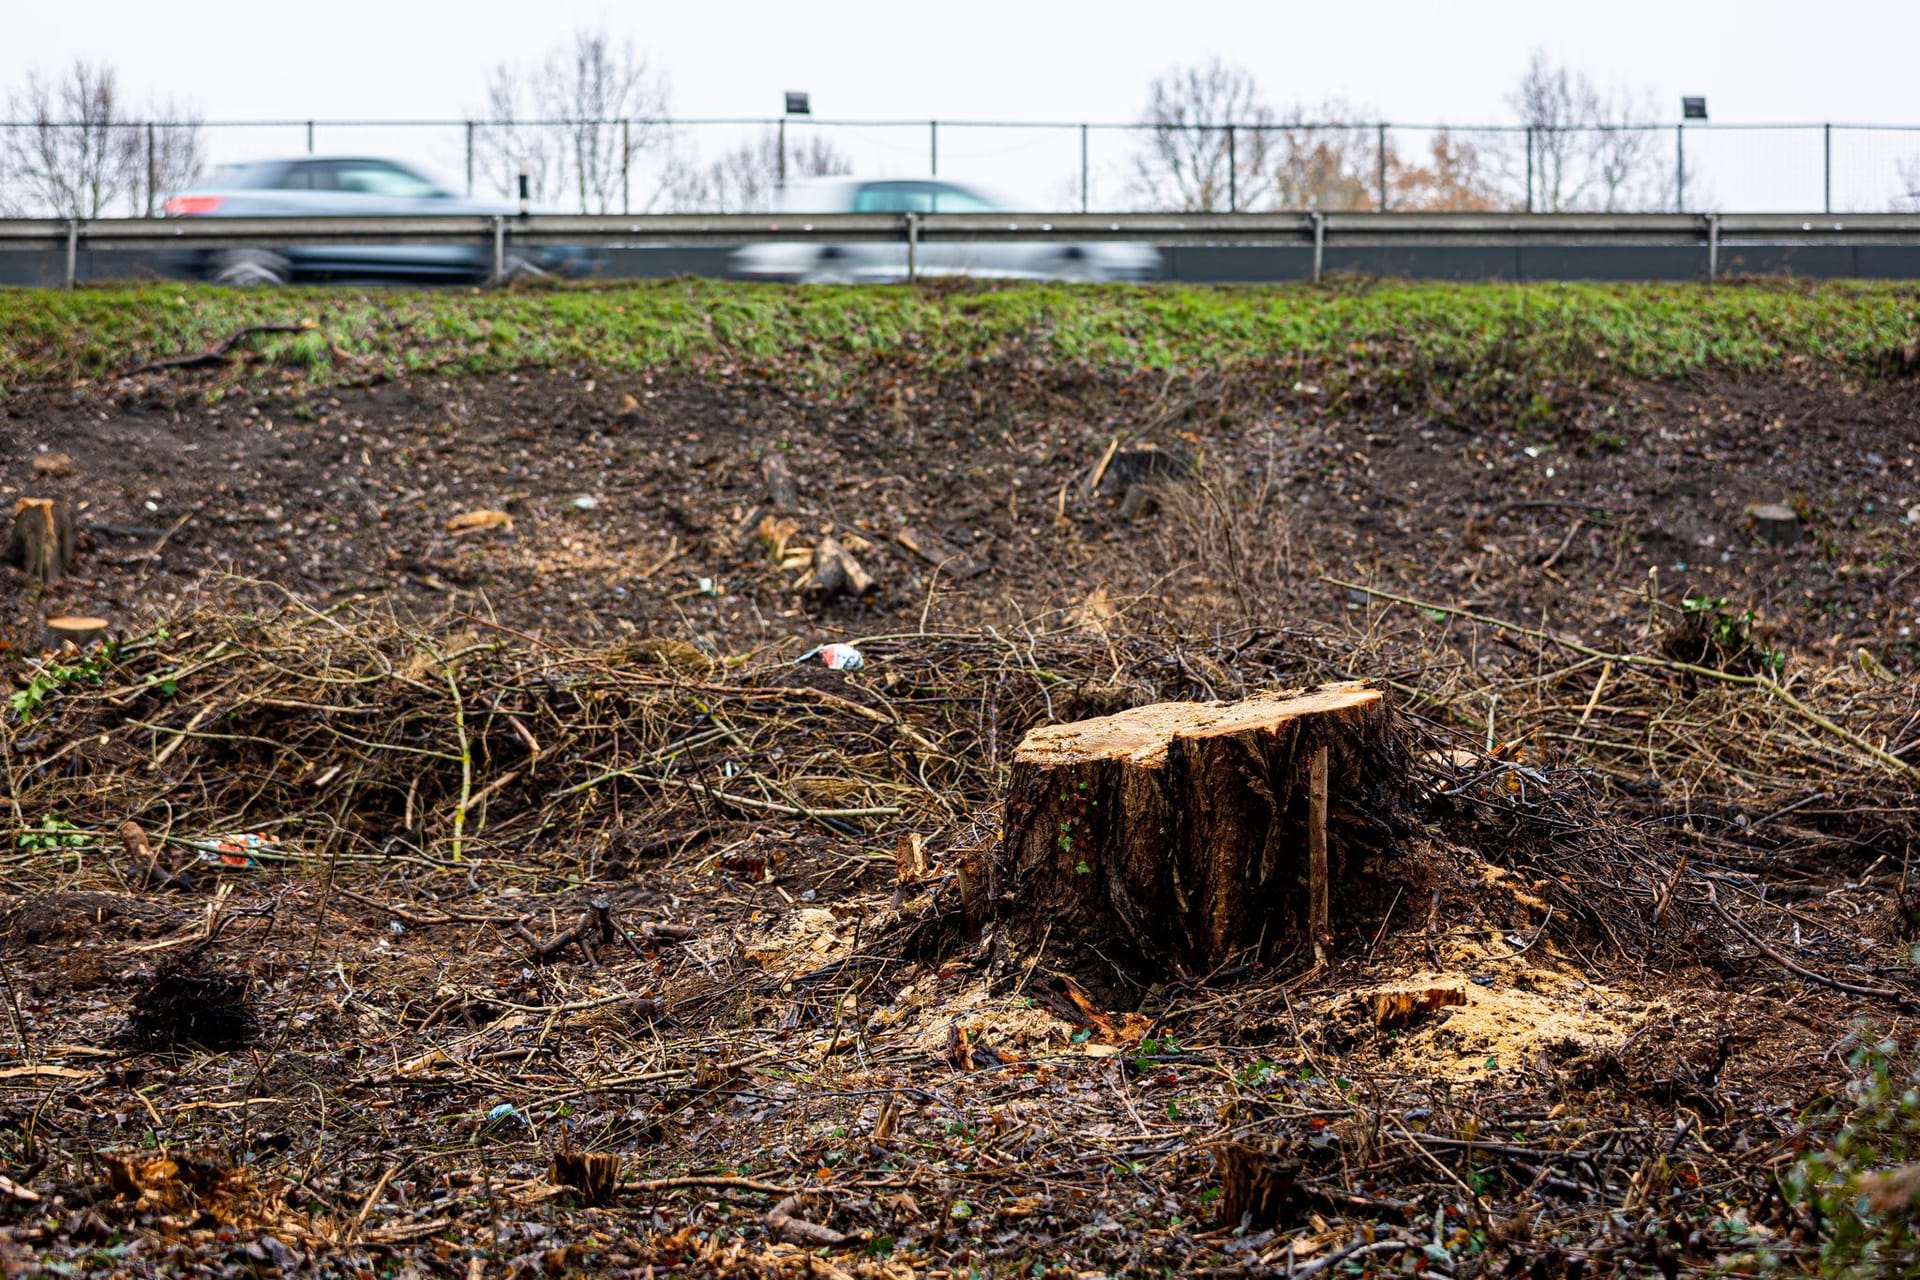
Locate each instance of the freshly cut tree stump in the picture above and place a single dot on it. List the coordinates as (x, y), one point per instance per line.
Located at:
(42, 539)
(1177, 838)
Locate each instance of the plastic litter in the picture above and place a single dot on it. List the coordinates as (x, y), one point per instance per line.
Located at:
(586, 502)
(238, 849)
(835, 657)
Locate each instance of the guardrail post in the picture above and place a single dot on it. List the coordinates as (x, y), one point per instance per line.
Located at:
(913, 246)
(499, 248)
(73, 251)
(309, 137)
(1083, 168)
(780, 166)
(933, 148)
(1380, 152)
(1827, 169)
(469, 159)
(1319, 243)
(1713, 247)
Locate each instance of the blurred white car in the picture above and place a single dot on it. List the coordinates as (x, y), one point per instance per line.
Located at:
(863, 262)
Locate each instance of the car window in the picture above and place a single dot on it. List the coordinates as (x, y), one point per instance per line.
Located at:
(894, 197)
(309, 176)
(378, 178)
(958, 200)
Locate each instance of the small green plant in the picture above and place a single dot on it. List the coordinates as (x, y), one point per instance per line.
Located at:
(50, 677)
(54, 832)
(1858, 1196)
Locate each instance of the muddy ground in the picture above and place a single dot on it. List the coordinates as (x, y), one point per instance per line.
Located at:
(375, 1072)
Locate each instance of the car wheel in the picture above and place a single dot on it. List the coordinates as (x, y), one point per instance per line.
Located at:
(249, 268)
(831, 267)
(1075, 266)
(520, 267)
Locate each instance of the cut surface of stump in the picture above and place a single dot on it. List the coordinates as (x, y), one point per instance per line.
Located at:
(1176, 838)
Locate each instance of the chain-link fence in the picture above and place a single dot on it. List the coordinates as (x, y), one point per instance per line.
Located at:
(739, 165)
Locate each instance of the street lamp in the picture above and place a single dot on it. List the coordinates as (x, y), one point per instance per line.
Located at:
(797, 105)
(1690, 109)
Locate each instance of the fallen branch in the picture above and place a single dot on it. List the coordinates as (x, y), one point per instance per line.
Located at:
(783, 1220)
(1852, 988)
(218, 351)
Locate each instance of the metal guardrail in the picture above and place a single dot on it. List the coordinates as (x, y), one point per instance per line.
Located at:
(1320, 231)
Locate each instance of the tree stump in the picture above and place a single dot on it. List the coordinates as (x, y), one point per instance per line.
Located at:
(80, 629)
(1775, 523)
(42, 539)
(1173, 839)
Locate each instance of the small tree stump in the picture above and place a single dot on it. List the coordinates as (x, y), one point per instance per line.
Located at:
(1171, 839)
(42, 539)
(81, 630)
(1775, 524)
(782, 493)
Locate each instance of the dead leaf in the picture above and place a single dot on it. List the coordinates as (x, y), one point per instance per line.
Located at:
(473, 521)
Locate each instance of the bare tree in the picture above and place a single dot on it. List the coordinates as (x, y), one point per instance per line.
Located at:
(1209, 141)
(1585, 147)
(1549, 100)
(747, 178)
(574, 124)
(74, 151)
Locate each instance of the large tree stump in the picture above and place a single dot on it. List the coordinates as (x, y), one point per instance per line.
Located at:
(42, 538)
(1173, 839)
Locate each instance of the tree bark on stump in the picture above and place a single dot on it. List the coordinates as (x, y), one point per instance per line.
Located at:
(1173, 839)
(42, 539)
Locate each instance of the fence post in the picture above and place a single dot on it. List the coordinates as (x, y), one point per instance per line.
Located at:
(913, 246)
(933, 148)
(1233, 173)
(1319, 243)
(153, 171)
(1529, 168)
(1827, 169)
(626, 162)
(1380, 149)
(469, 159)
(1083, 168)
(1680, 168)
(309, 137)
(73, 251)
(1713, 247)
(499, 248)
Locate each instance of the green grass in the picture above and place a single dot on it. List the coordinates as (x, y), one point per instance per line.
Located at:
(1429, 333)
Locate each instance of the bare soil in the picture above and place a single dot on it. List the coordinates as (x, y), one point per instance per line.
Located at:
(1612, 860)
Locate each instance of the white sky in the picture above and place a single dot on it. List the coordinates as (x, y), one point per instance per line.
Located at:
(1756, 61)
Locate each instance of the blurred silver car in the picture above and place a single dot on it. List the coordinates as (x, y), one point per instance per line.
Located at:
(345, 186)
(880, 261)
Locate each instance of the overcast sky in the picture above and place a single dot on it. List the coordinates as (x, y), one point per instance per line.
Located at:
(1756, 61)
